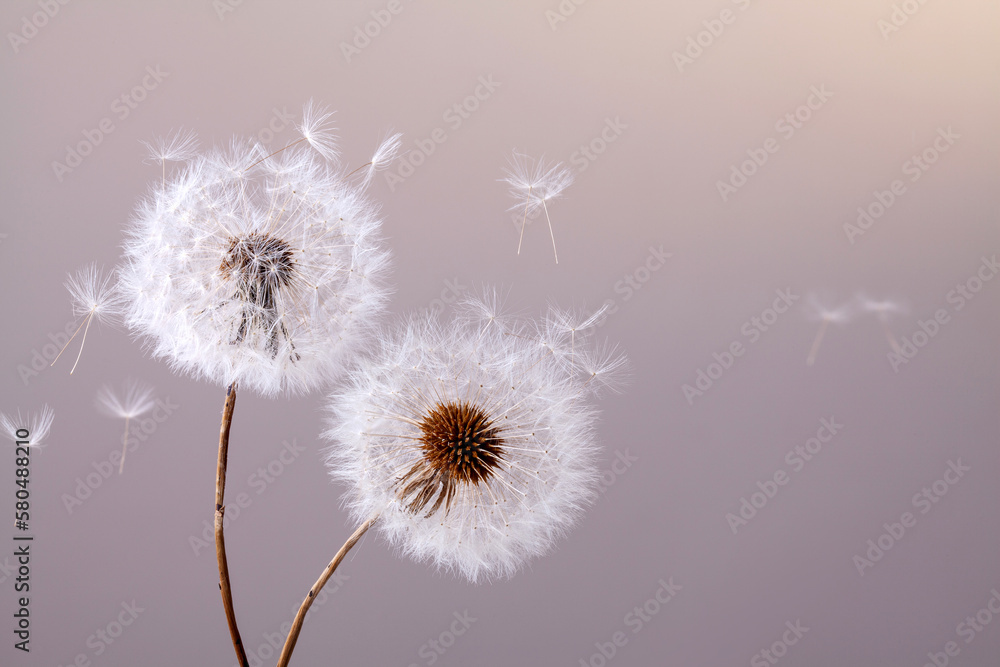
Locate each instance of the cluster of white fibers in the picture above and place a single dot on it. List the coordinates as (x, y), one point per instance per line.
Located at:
(261, 269)
(473, 439)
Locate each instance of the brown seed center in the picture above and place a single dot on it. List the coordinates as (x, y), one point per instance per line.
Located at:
(460, 445)
(259, 265)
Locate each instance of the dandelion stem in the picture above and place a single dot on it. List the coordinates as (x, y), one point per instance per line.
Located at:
(893, 343)
(523, 221)
(124, 447)
(82, 342)
(546, 208)
(67, 343)
(815, 346)
(293, 634)
(297, 141)
(220, 541)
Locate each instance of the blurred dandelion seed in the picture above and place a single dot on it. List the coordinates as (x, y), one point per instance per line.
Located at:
(816, 311)
(37, 426)
(136, 399)
(883, 309)
(94, 294)
(533, 184)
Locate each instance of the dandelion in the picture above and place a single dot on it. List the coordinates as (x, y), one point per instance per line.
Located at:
(94, 294)
(135, 400)
(470, 443)
(256, 270)
(816, 311)
(533, 184)
(28, 430)
(883, 309)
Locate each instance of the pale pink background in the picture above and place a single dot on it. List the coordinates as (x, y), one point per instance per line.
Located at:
(655, 185)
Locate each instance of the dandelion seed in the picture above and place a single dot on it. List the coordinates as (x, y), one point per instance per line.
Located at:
(94, 294)
(33, 429)
(179, 147)
(136, 399)
(383, 157)
(884, 309)
(816, 311)
(533, 184)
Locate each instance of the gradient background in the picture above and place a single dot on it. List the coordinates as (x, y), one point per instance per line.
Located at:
(665, 516)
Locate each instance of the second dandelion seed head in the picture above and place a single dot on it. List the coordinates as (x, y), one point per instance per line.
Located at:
(471, 439)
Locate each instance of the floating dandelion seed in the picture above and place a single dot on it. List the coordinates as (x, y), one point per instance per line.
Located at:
(178, 147)
(470, 443)
(136, 399)
(386, 152)
(884, 309)
(257, 270)
(816, 311)
(28, 430)
(533, 185)
(94, 294)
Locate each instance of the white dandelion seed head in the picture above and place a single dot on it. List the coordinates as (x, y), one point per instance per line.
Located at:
(816, 311)
(264, 270)
(136, 398)
(36, 425)
(470, 439)
(532, 183)
(95, 292)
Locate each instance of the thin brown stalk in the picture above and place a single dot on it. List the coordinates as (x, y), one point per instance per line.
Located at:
(220, 540)
(300, 617)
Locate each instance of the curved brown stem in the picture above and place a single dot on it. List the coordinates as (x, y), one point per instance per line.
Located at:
(220, 540)
(300, 617)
